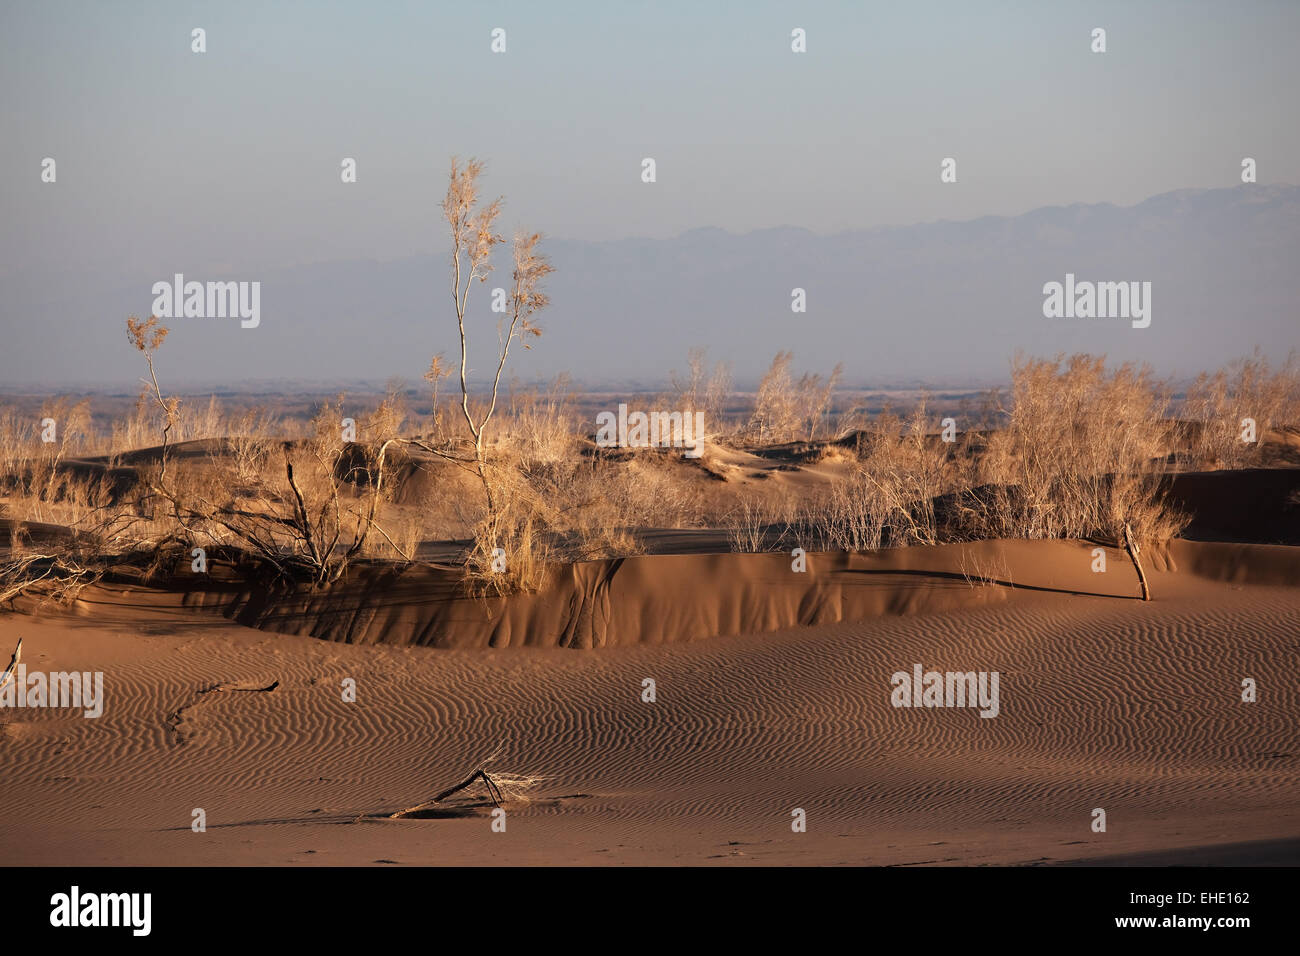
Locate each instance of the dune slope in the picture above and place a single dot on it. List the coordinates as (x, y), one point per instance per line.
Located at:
(1104, 703)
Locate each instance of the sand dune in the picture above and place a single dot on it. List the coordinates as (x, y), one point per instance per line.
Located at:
(661, 599)
(1105, 702)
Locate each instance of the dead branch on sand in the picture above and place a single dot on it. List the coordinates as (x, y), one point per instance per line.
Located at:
(13, 664)
(501, 787)
(55, 577)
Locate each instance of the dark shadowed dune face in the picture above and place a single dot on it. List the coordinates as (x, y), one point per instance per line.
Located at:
(666, 599)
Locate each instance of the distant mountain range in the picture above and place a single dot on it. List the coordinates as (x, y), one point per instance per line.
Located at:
(899, 305)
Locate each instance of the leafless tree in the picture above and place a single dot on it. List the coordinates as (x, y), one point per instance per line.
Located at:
(473, 238)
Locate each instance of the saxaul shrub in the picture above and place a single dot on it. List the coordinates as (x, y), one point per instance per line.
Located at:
(1083, 451)
(702, 390)
(787, 409)
(1228, 408)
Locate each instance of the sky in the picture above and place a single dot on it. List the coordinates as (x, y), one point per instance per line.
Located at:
(228, 161)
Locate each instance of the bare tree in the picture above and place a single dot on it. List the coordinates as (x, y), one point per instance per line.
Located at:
(473, 239)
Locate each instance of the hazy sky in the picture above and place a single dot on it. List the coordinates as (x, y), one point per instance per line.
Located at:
(227, 162)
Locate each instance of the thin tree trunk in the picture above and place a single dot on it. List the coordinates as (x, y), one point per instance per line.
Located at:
(1131, 547)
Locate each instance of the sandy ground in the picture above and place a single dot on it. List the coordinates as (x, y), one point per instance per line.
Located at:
(1105, 702)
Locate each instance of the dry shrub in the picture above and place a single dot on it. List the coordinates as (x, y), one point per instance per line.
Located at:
(139, 430)
(510, 550)
(308, 512)
(853, 517)
(63, 499)
(788, 410)
(40, 488)
(888, 499)
(540, 428)
(909, 470)
(35, 474)
(750, 522)
(835, 455)
(19, 443)
(776, 411)
(584, 507)
(1248, 388)
(984, 572)
(702, 390)
(208, 423)
(558, 500)
(250, 443)
(1083, 452)
(1081, 455)
(814, 399)
(439, 369)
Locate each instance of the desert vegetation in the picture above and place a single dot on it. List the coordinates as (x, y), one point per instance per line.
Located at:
(508, 482)
(1072, 449)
